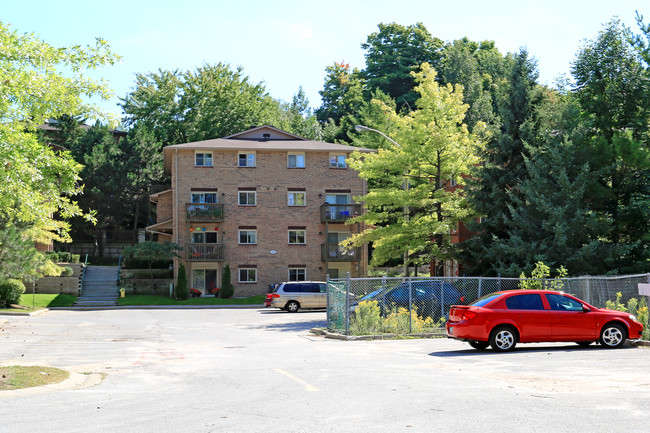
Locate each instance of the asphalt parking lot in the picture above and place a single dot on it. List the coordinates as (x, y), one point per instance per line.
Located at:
(259, 370)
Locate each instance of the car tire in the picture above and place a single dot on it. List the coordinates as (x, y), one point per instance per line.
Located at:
(612, 336)
(292, 307)
(503, 339)
(583, 343)
(478, 345)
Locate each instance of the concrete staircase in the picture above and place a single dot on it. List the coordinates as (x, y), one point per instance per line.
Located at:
(99, 287)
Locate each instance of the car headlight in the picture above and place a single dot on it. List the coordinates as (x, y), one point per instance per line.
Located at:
(633, 317)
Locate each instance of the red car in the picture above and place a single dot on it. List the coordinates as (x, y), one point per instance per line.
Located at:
(503, 319)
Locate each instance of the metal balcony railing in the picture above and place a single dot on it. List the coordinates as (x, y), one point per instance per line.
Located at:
(339, 212)
(205, 252)
(204, 212)
(336, 253)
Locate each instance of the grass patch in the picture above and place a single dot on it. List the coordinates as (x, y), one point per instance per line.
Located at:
(165, 300)
(18, 377)
(40, 301)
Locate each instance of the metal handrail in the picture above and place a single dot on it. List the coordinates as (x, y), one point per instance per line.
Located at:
(83, 274)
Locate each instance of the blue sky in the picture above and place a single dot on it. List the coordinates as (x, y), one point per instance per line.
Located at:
(287, 43)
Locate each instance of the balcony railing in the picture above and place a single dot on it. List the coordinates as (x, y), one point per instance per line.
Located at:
(204, 212)
(338, 212)
(336, 253)
(205, 252)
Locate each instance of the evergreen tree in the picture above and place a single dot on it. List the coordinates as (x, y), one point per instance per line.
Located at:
(181, 291)
(227, 289)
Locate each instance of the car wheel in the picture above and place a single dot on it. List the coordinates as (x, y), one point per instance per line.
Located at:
(503, 339)
(478, 345)
(613, 335)
(292, 307)
(583, 343)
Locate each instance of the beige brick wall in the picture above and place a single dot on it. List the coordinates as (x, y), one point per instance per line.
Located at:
(272, 216)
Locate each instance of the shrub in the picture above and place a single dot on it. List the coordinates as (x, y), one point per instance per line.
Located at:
(366, 319)
(10, 291)
(181, 290)
(76, 258)
(227, 289)
(67, 271)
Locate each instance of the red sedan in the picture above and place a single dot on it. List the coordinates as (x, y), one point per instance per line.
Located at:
(503, 319)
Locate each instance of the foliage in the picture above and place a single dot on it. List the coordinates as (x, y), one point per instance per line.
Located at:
(181, 290)
(433, 147)
(39, 81)
(151, 252)
(637, 307)
(539, 278)
(18, 255)
(10, 292)
(227, 289)
(617, 304)
(212, 101)
(67, 271)
(393, 54)
(367, 319)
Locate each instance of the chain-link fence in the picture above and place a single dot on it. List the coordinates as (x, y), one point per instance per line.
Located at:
(419, 305)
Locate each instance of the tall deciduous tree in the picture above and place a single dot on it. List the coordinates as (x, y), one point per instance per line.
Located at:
(393, 53)
(434, 147)
(38, 81)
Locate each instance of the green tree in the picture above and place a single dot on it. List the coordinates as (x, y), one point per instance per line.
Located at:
(39, 81)
(434, 147)
(393, 53)
(227, 289)
(496, 182)
(181, 291)
(613, 90)
(151, 252)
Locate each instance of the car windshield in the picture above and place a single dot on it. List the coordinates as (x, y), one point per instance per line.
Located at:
(485, 300)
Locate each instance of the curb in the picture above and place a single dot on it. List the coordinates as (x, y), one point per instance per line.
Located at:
(18, 313)
(337, 336)
(159, 307)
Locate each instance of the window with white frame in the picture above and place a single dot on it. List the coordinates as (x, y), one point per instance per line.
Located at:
(453, 181)
(247, 275)
(297, 274)
(297, 236)
(247, 198)
(203, 159)
(247, 236)
(246, 159)
(296, 160)
(296, 198)
(337, 160)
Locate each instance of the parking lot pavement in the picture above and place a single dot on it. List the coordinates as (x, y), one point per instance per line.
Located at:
(260, 370)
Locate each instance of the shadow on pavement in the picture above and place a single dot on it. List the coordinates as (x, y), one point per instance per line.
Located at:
(522, 349)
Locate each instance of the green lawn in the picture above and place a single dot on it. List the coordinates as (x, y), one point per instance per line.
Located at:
(164, 300)
(41, 301)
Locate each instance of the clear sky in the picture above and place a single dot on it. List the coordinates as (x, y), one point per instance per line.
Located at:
(289, 43)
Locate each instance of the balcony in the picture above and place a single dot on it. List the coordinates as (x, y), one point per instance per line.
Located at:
(204, 212)
(338, 213)
(336, 253)
(205, 252)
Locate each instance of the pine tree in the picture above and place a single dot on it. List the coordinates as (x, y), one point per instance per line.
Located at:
(181, 290)
(227, 289)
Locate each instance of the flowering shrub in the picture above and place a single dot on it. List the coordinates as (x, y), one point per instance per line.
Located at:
(367, 319)
(195, 293)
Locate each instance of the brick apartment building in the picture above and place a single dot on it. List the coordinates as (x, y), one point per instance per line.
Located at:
(270, 204)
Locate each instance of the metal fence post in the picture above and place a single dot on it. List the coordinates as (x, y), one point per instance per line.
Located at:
(480, 283)
(327, 298)
(410, 308)
(347, 305)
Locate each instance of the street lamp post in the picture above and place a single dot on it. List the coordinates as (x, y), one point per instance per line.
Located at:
(405, 187)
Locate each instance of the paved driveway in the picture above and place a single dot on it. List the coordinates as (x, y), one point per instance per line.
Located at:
(259, 370)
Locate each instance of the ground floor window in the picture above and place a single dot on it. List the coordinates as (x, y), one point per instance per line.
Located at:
(247, 275)
(297, 274)
(204, 280)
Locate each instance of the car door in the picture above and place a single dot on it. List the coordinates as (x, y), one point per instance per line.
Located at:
(527, 311)
(569, 319)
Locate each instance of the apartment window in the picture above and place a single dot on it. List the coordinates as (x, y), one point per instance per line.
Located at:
(296, 198)
(204, 237)
(297, 274)
(452, 181)
(296, 160)
(204, 197)
(247, 198)
(248, 236)
(246, 159)
(247, 275)
(203, 159)
(297, 236)
(337, 160)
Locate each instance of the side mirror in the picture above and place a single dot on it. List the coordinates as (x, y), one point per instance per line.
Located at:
(585, 309)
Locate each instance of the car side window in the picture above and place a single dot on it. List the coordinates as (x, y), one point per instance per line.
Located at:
(312, 288)
(293, 288)
(563, 303)
(531, 301)
(323, 288)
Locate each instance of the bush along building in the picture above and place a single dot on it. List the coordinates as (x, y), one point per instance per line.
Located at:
(269, 204)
